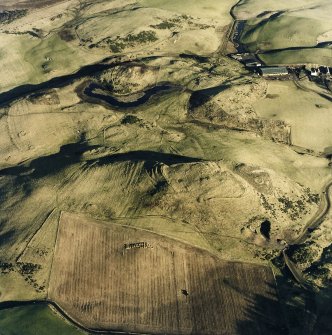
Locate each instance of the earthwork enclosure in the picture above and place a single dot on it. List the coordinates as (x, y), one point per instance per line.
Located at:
(108, 276)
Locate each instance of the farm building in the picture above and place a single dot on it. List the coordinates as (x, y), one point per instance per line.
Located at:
(273, 71)
(314, 72)
(252, 62)
(249, 60)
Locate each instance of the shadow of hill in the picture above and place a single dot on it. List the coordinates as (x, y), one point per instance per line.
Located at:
(228, 300)
(263, 316)
(72, 153)
(323, 324)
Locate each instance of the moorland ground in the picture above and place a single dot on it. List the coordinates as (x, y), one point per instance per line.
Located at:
(146, 123)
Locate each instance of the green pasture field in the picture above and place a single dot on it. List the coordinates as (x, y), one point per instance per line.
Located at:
(34, 319)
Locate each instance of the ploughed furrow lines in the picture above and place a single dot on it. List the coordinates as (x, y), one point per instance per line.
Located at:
(109, 276)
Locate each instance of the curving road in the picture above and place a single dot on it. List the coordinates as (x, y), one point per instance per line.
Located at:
(318, 217)
(313, 223)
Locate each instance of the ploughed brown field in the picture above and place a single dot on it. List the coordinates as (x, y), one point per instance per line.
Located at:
(108, 276)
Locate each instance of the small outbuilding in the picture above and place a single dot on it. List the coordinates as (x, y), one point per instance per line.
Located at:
(273, 71)
(252, 62)
(314, 72)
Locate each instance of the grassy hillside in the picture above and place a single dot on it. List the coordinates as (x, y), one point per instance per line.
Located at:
(34, 319)
(302, 56)
(59, 39)
(168, 135)
(279, 25)
(307, 112)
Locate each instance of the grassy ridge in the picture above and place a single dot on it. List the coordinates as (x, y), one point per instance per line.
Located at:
(275, 26)
(316, 56)
(292, 32)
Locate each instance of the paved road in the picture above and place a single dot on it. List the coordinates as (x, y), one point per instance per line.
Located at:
(313, 223)
(318, 217)
(296, 272)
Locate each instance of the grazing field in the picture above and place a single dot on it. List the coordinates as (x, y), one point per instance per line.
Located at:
(108, 276)
(308, 112)
(51, 39)
(300, 56)
(35, 319)
(212, 8)
(278, 25)
(247, 9)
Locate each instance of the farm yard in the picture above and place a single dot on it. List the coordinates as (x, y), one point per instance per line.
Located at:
(160, 286)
